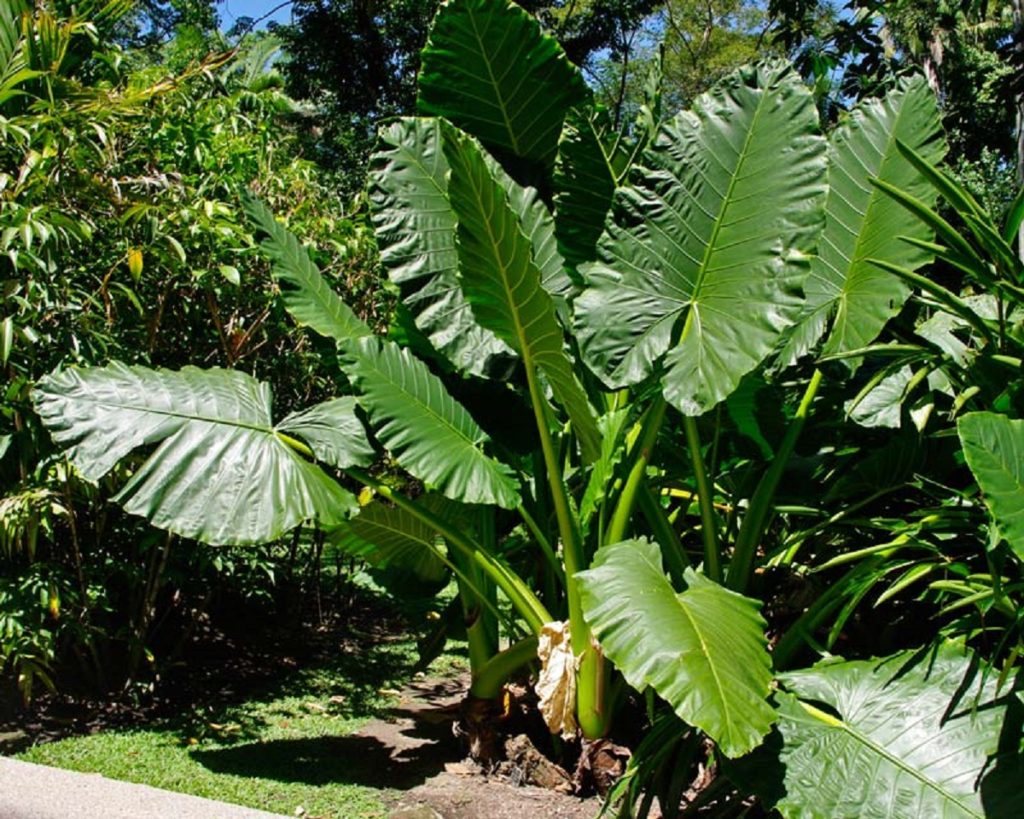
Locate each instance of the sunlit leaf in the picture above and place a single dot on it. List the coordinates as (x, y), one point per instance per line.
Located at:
(489, 68)
(427, 431)
(905, 736)
(704, 650)
(994, 448)
(705, 254)
(862, 223)
(221, 471)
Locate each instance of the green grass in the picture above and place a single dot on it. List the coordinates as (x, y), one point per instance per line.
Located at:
(288, 746)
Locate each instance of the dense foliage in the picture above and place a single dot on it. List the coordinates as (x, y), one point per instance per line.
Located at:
(713, 417)
(122, 239)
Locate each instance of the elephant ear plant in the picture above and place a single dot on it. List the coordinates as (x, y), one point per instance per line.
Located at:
(569, 298)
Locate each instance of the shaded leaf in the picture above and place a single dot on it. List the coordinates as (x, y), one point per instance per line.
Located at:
(387, 536)
(742, 408)
(610, 426)
(427, 431)
(584, 183)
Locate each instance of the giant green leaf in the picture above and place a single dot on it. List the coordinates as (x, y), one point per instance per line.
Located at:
(489, 68)
(704, 255)
(415, 229)
(538, 226)
(862, 223)
(994, 448)
(221, 471)
(503, 283)
(895, 737)
(306, 295)
(429, 433)
(703, 651)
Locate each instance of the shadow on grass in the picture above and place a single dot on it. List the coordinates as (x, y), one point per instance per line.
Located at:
(345, 676)
(354, 759)
(402, 751)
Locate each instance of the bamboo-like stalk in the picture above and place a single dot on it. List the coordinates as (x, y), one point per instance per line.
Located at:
(593, 714)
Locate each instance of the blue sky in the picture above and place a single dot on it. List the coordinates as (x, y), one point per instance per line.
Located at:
(231, 10)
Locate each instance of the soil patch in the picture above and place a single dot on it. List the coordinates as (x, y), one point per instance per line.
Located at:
(426, 762)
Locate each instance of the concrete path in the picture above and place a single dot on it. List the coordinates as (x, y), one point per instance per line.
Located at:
(30, 791)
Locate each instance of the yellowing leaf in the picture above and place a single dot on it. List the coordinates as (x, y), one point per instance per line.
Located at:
(135, 262)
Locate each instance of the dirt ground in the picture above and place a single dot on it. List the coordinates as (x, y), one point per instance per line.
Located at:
(432, 780)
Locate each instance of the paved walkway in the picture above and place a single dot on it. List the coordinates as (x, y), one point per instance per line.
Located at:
(30, 791)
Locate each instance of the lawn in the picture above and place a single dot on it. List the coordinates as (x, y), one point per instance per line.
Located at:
(288, 747)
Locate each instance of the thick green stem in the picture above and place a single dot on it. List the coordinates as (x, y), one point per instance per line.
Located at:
(593, 690)
(754, 521)
(567, 529)
(297, 445)
(490, 677)
(642, 456)
(706, 500)
(478, 639)
(478, 602)
(671, 546)
(519, 594)
(489, 536)
(592, 681)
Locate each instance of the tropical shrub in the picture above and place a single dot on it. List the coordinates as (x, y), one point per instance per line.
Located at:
(121, 240)
(580, 309)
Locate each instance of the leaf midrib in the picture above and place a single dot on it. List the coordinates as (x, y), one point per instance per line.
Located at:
(402, 388)
(269, 430)
(294, 266)
(494, 83)
(525, 349)
(709, 248)
(396, 531)
(867, 742)
(876, 195)
(711, 665)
